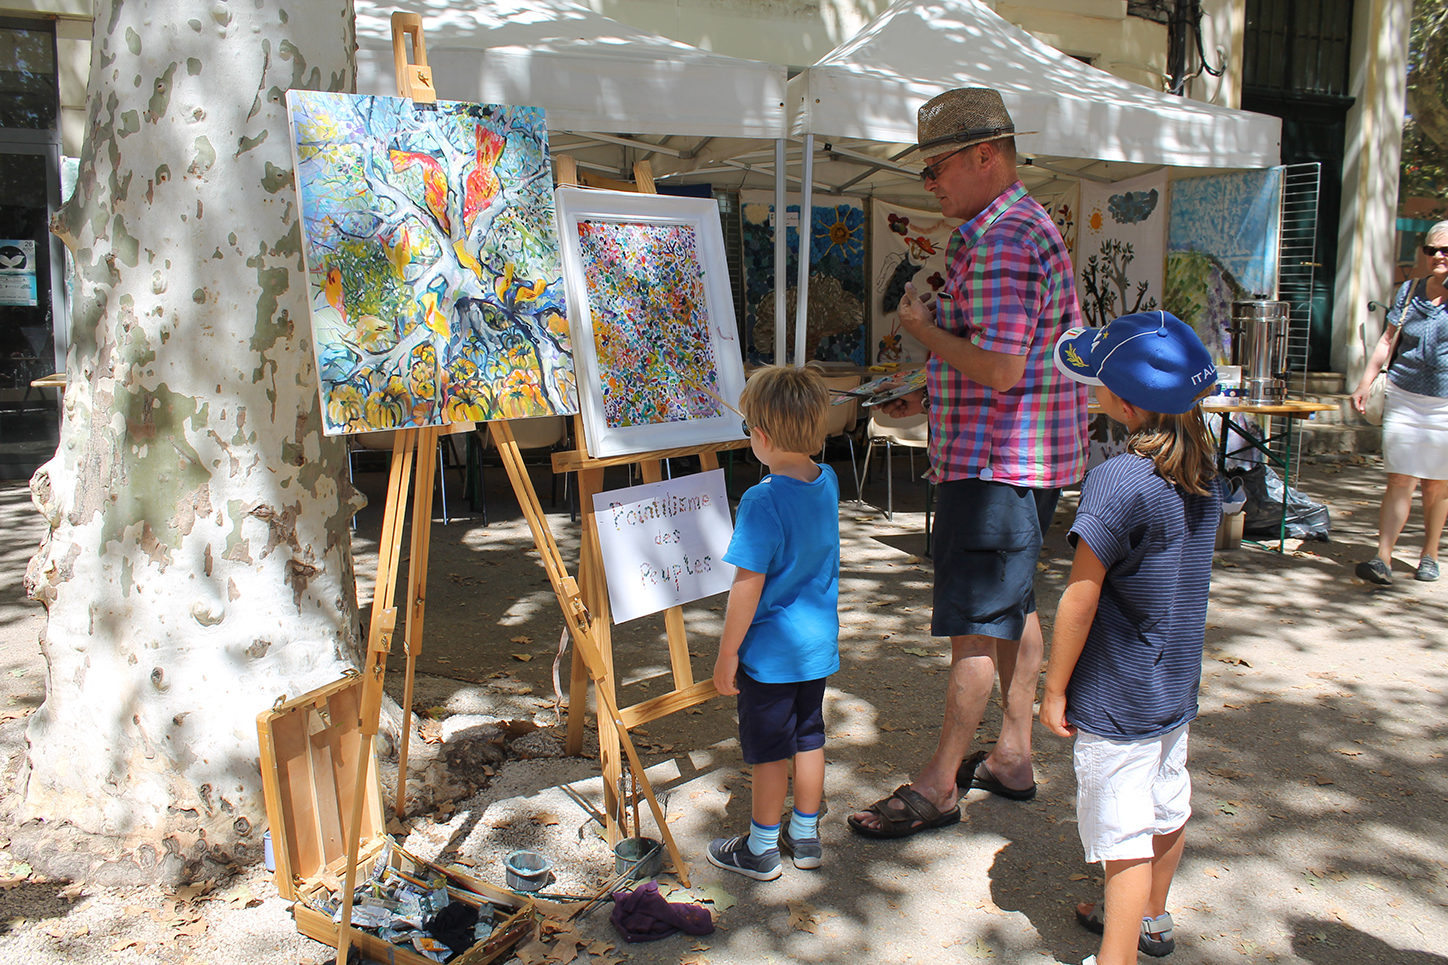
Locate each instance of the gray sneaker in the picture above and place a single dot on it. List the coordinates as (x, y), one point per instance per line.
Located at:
(1427, 570)
(733, 854)
(1374, 571)
(807, 852)
(1157, 937)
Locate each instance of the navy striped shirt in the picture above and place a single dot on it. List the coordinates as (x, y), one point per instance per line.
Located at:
(1142, 663)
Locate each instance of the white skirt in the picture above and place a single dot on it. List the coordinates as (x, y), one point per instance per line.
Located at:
(1415, 434)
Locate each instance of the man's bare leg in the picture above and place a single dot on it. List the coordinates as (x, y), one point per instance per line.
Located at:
(972, 678)
(1020, 672)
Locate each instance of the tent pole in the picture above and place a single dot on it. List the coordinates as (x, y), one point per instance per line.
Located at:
(806, 236)
(781, 253)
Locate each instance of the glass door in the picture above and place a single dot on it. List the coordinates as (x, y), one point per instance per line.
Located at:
(32, 301)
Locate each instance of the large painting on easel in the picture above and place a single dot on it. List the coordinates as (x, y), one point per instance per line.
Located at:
(652, 320)
(434, 277)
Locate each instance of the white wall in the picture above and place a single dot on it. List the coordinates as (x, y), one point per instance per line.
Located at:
(791, 32)
(1129, 47)
(798, 32)
(1224, 24)
(1366, 233)
(72, 47)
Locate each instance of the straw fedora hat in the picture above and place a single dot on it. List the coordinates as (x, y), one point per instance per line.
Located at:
(960, 118)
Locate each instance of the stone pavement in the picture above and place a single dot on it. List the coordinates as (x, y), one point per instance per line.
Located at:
(1320, 789)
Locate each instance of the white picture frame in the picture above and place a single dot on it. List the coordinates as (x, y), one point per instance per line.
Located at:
(670, 342)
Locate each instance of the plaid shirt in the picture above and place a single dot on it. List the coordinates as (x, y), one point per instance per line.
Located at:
(1010, 289)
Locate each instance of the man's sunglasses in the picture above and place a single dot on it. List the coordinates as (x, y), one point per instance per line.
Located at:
(931, 172)
(1430, 251)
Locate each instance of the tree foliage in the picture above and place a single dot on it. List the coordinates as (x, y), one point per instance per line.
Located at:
(1425, 130)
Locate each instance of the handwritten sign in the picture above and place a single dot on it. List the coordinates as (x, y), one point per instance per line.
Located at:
(663, 543)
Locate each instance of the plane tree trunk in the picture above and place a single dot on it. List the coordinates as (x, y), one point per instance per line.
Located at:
(198, 560)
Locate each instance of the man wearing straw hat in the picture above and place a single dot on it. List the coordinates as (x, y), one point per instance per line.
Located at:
(1007, 431)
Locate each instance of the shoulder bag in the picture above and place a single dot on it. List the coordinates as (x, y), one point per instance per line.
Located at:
(1377, 393)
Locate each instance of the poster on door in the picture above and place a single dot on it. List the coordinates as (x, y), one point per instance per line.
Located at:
(663, 543)
(17, 273)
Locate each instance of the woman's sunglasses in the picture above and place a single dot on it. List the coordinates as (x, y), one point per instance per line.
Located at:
(1430, 251)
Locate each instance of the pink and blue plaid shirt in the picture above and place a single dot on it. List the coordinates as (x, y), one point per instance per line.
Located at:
(1010, 289)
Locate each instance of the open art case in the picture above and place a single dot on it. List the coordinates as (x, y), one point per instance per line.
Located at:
(310, 755)
(651, 314)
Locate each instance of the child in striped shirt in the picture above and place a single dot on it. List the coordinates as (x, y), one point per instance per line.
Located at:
(1126, 652)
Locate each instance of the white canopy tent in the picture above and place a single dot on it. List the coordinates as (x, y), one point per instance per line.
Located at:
(860, 101)
(601, 80)
(864, 96)
(871, 87)
(587, 72)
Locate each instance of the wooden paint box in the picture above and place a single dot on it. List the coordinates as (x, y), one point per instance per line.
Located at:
(311, 752)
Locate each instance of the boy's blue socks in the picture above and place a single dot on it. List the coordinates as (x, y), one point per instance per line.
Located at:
(804, 826)
(763, 837)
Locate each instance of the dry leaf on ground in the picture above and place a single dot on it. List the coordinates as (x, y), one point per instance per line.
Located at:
(802, 916)
(718, 897)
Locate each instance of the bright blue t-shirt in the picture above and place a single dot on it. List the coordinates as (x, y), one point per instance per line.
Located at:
(790, 531)
(1141, 668)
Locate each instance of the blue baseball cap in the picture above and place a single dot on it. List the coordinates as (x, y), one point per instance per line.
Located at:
(1151, 359)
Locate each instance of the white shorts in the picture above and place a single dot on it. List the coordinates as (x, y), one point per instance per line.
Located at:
(1129, 791)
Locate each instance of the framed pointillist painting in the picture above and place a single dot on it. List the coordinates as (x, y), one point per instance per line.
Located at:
(433, 271)
(652, 317)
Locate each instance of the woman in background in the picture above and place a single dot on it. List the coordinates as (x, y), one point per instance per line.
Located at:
(1415, 411)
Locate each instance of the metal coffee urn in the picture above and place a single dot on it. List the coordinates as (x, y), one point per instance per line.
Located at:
(1259, 346)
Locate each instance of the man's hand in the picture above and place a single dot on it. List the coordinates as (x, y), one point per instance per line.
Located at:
(725, 668)
(917, 316)
(1053, 715)
(906, 405)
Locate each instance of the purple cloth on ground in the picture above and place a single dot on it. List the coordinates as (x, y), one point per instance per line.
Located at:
(642, 915)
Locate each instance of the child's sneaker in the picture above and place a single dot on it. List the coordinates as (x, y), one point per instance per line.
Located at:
(1158, 935)
(807, 852)
(733, 854)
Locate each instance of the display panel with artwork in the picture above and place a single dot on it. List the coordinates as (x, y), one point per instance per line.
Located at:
(434, 277)
(652, 320)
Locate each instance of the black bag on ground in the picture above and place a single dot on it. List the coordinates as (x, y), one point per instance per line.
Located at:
(1306, 519)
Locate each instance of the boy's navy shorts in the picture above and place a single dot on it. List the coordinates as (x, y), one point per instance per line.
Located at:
(987, 539)
(778, 721)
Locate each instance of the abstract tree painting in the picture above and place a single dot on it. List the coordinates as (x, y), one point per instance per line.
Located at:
(654, 332)
(434, 277)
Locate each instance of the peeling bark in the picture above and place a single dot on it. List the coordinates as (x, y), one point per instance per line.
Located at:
(198, 560)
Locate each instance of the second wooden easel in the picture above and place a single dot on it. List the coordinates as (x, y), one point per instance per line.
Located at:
(686, 692)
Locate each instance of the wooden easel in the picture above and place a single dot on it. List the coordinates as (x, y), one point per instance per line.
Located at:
(614, 727)
(414, 80)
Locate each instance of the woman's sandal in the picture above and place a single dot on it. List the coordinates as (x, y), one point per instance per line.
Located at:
(1157, 934)
(901, 822)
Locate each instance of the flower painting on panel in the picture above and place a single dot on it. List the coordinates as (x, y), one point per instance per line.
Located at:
(434, 277)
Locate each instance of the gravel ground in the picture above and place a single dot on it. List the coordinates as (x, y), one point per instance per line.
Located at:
(1320, 789)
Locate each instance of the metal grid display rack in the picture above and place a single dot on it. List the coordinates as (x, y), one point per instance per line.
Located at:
(1297, 274)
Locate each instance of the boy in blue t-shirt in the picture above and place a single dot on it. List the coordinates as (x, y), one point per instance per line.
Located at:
(782, 627)
(1126, 654)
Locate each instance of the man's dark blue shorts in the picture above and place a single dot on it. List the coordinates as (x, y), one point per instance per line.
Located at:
(987, 540)
(778, 721)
